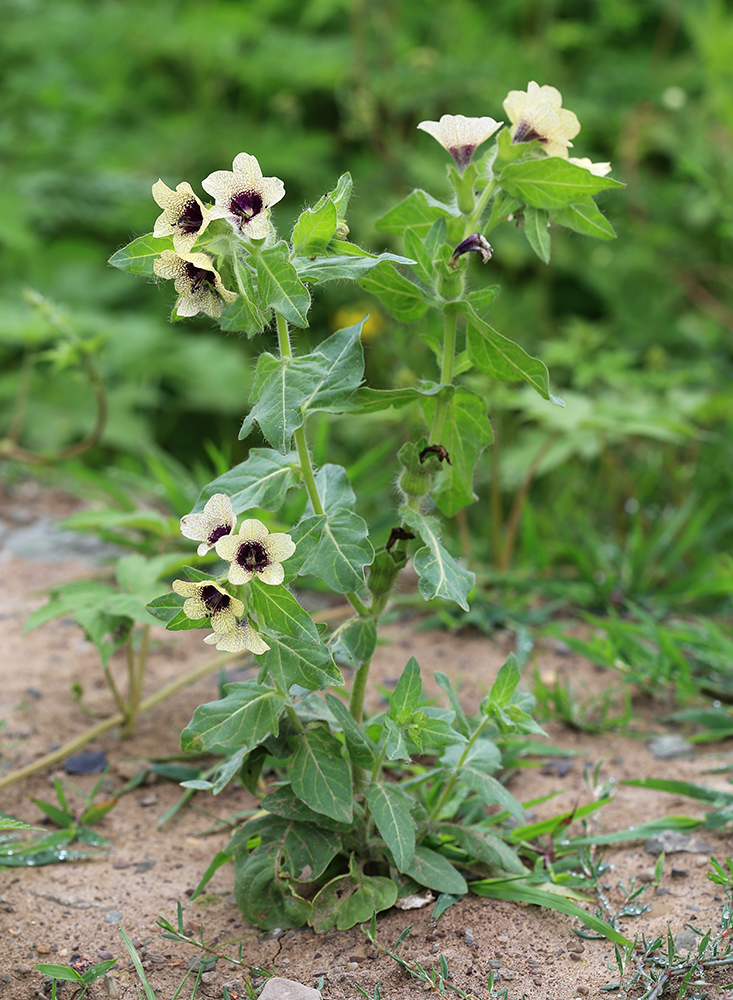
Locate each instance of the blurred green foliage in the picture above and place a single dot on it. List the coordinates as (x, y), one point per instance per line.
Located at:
(99, 99)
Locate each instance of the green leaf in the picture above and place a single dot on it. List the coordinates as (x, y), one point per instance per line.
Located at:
(247, 314)
(518, 891)
(344, 549)
(62, 972)
(320, 775)
(284, 802)
(482, 298)
(400, 297)
(293, 661)
(440, 575)
(351, 899)
(537, 232)
(355, 644)
(341, 195)
(391, 813)
(417, 211)
(304, 850)
(406, 695)
(264, 899)
(138, 256)
(361, 749)
(465, 434)
(306, 535)
(315, 228)
(506, 682)
(167, 607)
(461, 722)
(396, 745)
(277, 609)
(339, 266)
(500, 357)
(286, 389)
(243, 718)
(424, 267)
(435, 729)
(491, 791)
(483, 846)
(584, 217)
(368, 400)
(262, 480)
(434, 871)
(551, 182)
(280, 287)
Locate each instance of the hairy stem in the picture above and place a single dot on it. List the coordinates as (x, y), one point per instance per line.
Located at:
(358, 691)
(446, 376)
(451, 782)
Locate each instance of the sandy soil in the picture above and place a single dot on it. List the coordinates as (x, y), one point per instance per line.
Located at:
(49, 913)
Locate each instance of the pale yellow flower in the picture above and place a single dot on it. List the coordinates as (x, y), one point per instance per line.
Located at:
(255, 551)
(461, 136)
(207, 599)
(537, 113)
(244, 197)
(197, 282)
(242, 637)
(184, 216)
(212, 523)
(599, 169)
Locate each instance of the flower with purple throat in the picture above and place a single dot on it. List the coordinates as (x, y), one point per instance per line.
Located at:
(461, 136)
(254, 551)
(537, 113)
(244, 197)
(184, 217)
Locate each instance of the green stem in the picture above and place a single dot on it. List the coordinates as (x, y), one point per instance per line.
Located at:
(451, 783)
(306, 468)
(473, 219)
(358, 691)
(446, 376)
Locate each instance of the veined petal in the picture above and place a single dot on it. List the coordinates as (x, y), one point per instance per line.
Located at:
(243, 196)
(279, 546)
(537, 113)
(253, 530)
(196, 280)
(184, 216)
(253, 550)
(215, 521)
(272, 574)
(599, 169)
(460, 135)
(242, 637)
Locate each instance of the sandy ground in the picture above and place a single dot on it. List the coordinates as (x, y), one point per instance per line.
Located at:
(49, 913)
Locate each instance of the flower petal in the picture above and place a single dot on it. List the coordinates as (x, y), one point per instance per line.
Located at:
(272, 574)
(279, 546)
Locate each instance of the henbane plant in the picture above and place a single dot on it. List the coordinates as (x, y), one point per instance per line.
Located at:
(358, 811)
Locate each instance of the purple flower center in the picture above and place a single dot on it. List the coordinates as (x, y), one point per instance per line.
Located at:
(253, 556)
(245, 205)
(214, 600)
(199, 277)
(219, 531)
(191, 217)
(462, 155)
(525, 133)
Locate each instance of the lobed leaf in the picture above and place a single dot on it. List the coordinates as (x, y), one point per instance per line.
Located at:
(440, 575)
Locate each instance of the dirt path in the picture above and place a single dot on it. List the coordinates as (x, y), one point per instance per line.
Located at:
(49, 913)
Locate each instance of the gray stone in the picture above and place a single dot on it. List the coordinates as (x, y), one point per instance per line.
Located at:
(686, 941)
(672, 842)
(671, 745)
(279, 988)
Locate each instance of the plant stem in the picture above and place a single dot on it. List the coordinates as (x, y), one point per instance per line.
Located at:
(446, 376)
(306, 468)
(115, 720)
(473, 219)
(451, 783)
(358, 691)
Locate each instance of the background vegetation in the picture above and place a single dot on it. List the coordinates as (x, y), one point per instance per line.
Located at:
(623, 495)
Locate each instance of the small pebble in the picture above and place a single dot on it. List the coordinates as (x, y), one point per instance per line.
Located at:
(584, 991)
(508, 975)
(23, 969)
(104, 955)
(351, 966)
(494, 963)
(575, 957)
(434, 948)
(503, 939)
(43, 949)
(110, 987)
(468, 937)
(679, 873)
(537, 982)
(91, 762)
(148, 800)
(113, 917)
